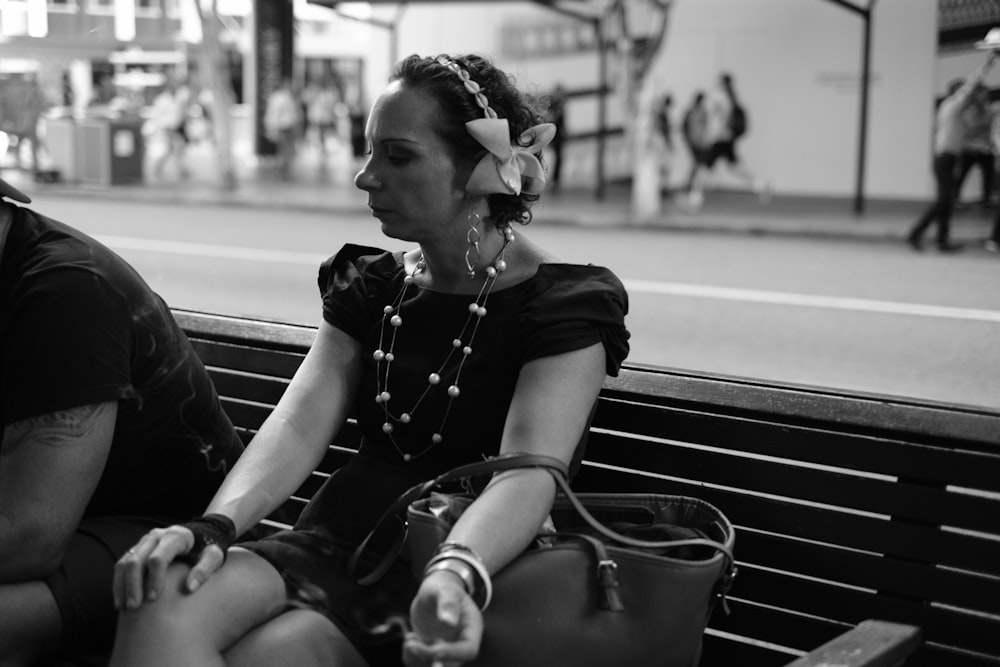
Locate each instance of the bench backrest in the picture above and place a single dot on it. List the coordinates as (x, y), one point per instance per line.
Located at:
(846, 506)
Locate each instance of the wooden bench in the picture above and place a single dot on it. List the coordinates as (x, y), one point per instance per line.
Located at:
(847, 507)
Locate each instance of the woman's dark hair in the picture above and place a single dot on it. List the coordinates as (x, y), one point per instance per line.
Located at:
(458, 106)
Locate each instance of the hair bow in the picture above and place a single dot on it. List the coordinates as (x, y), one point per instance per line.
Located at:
(508, 169)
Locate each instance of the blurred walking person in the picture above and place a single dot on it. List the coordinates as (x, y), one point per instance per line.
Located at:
(322, 115)
(977, 150)
(664, 125)
(694, 130)
(949, 135)
(170, 113)
(728, 123)
(993, 242)
(281, 123)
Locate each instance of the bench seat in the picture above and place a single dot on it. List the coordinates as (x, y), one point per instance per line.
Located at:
(867, 526)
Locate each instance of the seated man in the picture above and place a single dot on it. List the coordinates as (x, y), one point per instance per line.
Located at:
(109, 426)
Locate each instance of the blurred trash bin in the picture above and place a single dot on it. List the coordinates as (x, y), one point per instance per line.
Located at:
(61, 143)
(113, 150)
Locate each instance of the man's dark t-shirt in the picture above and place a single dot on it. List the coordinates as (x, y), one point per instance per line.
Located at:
(79, 326)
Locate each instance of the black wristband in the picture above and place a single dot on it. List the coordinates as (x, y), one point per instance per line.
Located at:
(211, 529)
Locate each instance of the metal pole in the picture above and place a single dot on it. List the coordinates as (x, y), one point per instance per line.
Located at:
(859, 189)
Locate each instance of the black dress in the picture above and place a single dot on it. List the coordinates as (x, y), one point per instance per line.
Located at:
(562, 308)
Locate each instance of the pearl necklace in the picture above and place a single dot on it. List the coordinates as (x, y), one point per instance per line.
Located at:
(461, 345)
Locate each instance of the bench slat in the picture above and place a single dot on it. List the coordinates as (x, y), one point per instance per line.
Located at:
(277, 363)
(950, 465)
(871, 414)
(247, 387)
(814, 523)
(724, 651)
(941, 625)
(900, 500)
(890, 575)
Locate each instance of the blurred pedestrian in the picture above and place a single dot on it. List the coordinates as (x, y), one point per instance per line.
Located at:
(322, 114)
(22, 103)
(281, 125)
(948, 139)
(664, 126)
(993, 242)
(694, 130)
(557, 116)
(977, 151)
(728, 124)
(169, 116)
(202, 113)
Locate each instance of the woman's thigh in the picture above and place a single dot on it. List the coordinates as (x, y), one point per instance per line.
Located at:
(246, 592)
(300, 637)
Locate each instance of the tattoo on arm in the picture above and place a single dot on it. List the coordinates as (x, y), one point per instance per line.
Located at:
(54, 429)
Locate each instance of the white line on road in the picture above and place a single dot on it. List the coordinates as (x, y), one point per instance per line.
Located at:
(811, 300)
(635, 286)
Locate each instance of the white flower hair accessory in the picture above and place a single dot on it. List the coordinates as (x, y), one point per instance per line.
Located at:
(508, 169)
(505, 169)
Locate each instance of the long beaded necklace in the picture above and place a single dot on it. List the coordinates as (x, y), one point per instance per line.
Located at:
(462, 344)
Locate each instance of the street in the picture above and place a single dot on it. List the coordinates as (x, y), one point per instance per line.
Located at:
(862, 315)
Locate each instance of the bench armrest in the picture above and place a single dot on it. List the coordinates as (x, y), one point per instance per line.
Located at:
(870, 644)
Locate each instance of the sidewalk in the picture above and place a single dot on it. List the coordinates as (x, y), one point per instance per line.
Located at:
(327, 185)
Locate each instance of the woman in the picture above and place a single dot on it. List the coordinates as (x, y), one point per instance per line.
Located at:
(475, 342)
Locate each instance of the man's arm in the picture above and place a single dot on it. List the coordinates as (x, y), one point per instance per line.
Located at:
(962, 95)
(49, 468)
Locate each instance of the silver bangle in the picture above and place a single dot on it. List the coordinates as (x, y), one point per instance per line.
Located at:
(472, 560)
(459, 569)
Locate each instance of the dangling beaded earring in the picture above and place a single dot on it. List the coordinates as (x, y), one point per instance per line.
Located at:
(472, 237)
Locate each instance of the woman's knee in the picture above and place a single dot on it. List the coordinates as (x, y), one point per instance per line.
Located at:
(170, 610)
(300, 637)
(245, 592)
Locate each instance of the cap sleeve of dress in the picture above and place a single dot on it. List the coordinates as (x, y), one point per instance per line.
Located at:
(576, 306)
(354, 286)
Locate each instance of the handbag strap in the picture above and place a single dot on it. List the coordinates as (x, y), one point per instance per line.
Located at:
(558, 471)
(501, 463)
(632, 541)
(397, 510)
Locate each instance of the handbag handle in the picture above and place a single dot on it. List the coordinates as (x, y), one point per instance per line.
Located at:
(501, 463)
(397, 510)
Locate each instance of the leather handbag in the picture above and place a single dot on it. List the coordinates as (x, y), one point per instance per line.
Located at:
(621, 579)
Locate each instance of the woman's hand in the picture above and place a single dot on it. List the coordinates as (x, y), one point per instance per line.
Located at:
(447, 624)
(141, 571)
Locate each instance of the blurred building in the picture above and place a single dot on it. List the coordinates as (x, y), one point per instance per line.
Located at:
(797, 64)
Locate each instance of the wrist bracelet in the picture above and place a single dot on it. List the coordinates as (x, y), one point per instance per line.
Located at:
(211, 529)
(485, 588)
(459, 569)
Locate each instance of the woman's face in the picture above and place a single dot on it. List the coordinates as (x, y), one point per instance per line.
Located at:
(414, 186)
